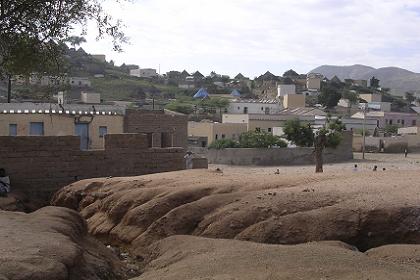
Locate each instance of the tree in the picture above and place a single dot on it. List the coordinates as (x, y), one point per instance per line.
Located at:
(260, 139)
(329, 96)
(374, 82)
(44, 26)
(409, 96)
(330, 135)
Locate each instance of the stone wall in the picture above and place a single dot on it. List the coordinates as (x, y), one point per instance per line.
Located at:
(165, 129)
(280, 156)
(39, 166)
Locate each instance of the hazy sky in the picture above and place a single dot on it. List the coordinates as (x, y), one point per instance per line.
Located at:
(251, 36)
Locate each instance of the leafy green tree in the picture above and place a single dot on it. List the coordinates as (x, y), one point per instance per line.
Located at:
(329, 96)
(32, 33)
(391, 129)
(179, 107)
(257, 139)
(330, 135)
(224, 144)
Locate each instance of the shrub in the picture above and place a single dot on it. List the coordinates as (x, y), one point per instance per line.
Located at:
(255, 139)
(224, 144)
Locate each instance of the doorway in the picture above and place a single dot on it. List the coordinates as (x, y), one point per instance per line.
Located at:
(82, 130)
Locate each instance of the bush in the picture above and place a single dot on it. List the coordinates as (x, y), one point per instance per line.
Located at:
(255, 139)
(224, 144)
(179, 107)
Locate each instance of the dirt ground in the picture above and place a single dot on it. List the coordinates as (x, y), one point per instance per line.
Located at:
(376, 213)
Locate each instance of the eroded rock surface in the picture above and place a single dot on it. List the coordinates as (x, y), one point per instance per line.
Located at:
(366, 210)
(188, 258)
(52, 243)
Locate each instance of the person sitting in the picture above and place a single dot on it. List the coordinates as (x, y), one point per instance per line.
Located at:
(4, 183)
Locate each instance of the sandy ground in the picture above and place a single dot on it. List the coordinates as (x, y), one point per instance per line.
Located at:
(388, 161)
(166, 219)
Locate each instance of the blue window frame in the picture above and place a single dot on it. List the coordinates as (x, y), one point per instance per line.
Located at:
(36, 129)
(12, 129)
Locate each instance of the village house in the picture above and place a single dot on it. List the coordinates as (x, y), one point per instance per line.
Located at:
(212, 131)
(143, 73)
(91, 123)
(250, 106)
(390, 118)
(313, 81)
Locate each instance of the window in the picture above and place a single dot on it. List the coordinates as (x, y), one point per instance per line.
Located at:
(217, 137)
(390, 122)
(223, 136)
(258, 129)
(245, 110)
(270, 129)
(36, 129)
(262, 108)
(12, 129)
(414, 122)
(402, 122)
(398, 121)
(103, 130)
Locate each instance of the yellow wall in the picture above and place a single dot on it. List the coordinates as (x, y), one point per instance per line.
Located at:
(62, 125)
(210, 130)
(291, 101)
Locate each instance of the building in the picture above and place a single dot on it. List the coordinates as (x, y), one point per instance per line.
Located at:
(283, 90)
(79, 82)
(250, 106)
(371, 97)
(99, 57)
(92, 122)
(90, 98)
(292, 101)
(144, 73)
(313, 81)
(390, 118)
(261, 122)
(213, 131)
(412, 130)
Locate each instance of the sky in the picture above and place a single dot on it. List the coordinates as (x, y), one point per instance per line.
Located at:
(252, 36)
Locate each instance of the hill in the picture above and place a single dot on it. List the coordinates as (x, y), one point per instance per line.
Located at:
(397, 79)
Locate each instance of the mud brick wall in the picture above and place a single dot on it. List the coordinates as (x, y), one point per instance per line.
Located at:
(39, 166)
(160, 124)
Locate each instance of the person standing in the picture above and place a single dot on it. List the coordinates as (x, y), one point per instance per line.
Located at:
(4, 183)
(405, 152)
(189, 160)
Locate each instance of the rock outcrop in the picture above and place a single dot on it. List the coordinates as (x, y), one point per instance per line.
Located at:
(188, 258)
(365, 210)
(52, 243)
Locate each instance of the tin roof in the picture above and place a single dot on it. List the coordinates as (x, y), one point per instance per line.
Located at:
(67, 109)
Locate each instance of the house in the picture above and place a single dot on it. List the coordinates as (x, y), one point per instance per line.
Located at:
(99, 57)
(91, 123)
(213, 131)
(251, 106)
(262, 122)
(80, 82)
(371, 97)
(283, 90)
(390, 118)
(291, 101)
(313, 81)
(144, 73)
(90, 98)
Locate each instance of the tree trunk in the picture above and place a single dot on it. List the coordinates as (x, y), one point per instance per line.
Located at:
(9, 89)
(319, 144)
(319, 161)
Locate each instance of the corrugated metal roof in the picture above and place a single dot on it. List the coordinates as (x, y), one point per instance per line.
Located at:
(68, 109)
(304, 111)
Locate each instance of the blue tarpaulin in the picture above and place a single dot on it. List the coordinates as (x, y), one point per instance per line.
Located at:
(201, 93)
(235, 93)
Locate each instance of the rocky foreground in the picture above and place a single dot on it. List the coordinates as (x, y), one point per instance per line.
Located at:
(181, 224)
(188, 258)
(52, 243)
(365, 210)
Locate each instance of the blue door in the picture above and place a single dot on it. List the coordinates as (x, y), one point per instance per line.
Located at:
(82, 130)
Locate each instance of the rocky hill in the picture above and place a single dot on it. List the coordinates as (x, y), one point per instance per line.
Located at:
(398, 79)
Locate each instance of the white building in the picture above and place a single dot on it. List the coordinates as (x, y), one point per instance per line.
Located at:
(90, 98)
(283, 90)
(266, 107)
(143, 73)
(79, 82)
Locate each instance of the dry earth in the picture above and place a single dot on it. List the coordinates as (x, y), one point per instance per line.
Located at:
(365, 209)
(188, 258)
(52, 243)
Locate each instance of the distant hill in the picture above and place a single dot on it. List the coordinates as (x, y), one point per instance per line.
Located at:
(398, 79)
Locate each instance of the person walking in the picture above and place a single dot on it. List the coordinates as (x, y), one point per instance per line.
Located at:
(405, 152)
(189, 160)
